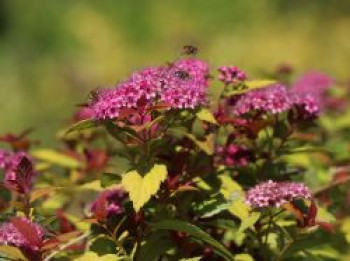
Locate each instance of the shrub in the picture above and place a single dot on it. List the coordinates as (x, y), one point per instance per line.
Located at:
(179, 162)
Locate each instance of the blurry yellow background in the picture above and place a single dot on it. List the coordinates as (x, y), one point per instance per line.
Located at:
(52, 53)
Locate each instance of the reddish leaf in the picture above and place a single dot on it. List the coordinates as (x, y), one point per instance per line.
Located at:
(328, 227)
(100, 209)
(28, 231)
(59, 239)
(312, 213)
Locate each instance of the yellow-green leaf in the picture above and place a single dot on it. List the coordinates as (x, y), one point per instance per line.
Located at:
(207, 145)
(81, 224)
(92, 256)
(93, 185)
(243, 257)
(234, 193)
(206, 115)
(141, 189)
(256, 84)
(249, 221)
(81, 125)
(54, 157)
(12, 252)
(250, 85)
(345, 228)
(42, 192)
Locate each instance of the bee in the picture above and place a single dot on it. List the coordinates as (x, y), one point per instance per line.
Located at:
(93, 95)
(183, 75)
(190, 50)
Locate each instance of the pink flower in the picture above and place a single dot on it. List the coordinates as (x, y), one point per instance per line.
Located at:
(277, 99)
(307, 106)
(271, 193)
(274, 99)
(233, 155)
(181, 85)
(313, 83)
(24, 234)
(198, 70)
(145, 84)
(84, 113)
(109, 202)
(231, 75)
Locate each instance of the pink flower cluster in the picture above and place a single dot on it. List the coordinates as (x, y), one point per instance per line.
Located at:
(109, 202)
(17, 177)
(181, 85)
(231, 75)
(271, 193)
(233, 155)
(276, 99)
(313, 83)
(307, 106)
(22, 233)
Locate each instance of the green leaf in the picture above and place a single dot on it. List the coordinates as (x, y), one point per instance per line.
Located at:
(81, 125)
(109, 179)
(103, 245)
(57, 158)
(156, 244)
(206, 115)
(227, 224)
(212, 207)
(196, 232)
(141, 189)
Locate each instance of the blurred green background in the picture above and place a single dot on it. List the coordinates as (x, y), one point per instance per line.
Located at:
(54, 52)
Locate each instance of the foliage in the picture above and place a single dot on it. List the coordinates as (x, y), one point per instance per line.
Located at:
(153, 173)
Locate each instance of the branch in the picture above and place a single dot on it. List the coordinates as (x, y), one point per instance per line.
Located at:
(70, 243)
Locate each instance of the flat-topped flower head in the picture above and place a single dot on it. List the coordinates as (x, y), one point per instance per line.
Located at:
(274, 99)
(19, 172)
(231, 74)
(109, 203)
(24, 234)
(197, 69)
(180, 86)
(141, 86)
(275, 194)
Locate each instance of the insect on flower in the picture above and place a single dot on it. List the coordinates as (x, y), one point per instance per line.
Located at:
(183, 75)
(93, 95)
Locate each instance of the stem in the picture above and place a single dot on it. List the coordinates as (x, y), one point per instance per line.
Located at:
(70, 243)
(262, 245)
(284, 250)
(332, 185)
(26, 199)
(268, 228)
